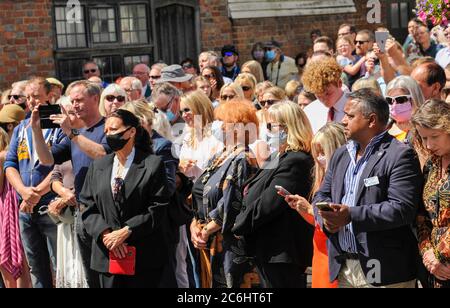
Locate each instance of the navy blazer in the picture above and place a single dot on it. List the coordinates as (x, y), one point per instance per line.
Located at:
(384, 213)
(163, 148)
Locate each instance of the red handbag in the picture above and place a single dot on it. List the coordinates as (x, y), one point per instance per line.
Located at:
(126, 266)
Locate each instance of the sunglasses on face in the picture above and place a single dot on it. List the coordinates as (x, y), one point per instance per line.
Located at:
(112, 98)
(155, 77)
(16, 97)
(185, 110)
(227, 97)
(188, 65)
(209, 76)
(360, 42)
(401, 99)
(268, 102)
(271, 126)
(90, 71)
(245, 89)
(228, 54)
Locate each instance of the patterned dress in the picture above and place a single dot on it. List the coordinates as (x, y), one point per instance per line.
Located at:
(433, 224)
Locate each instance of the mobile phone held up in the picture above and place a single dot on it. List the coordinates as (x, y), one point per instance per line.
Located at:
(45, 111)
(282, 191)
(324, 207)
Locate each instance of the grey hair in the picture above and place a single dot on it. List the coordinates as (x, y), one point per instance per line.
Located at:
(136, 84)
(92, 88)
(409, 85)
(370, 102)
(167, 89)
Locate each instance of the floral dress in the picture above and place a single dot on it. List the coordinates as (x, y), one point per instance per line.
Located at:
(433, 224)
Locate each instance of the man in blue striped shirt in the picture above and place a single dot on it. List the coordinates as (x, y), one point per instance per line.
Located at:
(374, 185)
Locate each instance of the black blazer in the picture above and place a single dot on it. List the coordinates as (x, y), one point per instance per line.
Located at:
(143, 210)
(383, 214)
(273, 231)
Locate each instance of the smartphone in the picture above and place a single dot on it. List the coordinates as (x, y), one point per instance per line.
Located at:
(381, 38)
(282, 191)
(45, 111)
(324, 207)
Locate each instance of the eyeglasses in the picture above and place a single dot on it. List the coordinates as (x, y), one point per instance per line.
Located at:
(16, 97)
(401, 99)
(268, 102)
(185, 110)
(227, 97)
(139, 73)
(155, 77)
(90, 71)
(245, 89)
(360, 42)
(209, 76)
(271, 126)
(112, 98)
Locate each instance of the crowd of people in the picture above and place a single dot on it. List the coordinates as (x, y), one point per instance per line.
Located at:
(235, 176)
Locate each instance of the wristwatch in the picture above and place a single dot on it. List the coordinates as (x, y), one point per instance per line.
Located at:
(73, 133)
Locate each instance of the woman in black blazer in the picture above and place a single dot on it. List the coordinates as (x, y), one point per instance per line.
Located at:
(277, 238)
(126, 200)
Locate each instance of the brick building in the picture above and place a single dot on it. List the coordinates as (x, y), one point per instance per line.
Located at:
(45, 37)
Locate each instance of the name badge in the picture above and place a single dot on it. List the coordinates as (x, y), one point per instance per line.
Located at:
(372, 182)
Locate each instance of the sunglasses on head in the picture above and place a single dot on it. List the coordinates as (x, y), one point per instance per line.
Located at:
(227, 97)
(112, 98)
(90, 71)
(16, 97)
(245, 89)
(268, 102)
(401, 99)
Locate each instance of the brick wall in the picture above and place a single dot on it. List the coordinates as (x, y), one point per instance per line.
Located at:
(26, 40)
(218, 30)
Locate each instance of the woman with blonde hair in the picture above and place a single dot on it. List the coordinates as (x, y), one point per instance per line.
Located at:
(112, 98)
(367, 83)
(253, 67)
(231, 91)
(201, 83)
(293, 88)
(199, 144)
(248, 84)
(327, 140)
(280, 242)
(270, 97)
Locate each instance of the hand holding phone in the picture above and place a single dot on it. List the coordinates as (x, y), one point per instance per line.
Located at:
(324, 207)
(381, 38)
(45, 112)
(282, 191)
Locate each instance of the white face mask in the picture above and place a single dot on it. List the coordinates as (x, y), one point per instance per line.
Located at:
(322, 161)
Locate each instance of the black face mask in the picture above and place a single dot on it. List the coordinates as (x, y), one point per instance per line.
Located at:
(115, 142)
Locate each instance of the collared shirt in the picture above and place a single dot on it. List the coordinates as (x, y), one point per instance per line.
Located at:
(443, 57)
(317, 112)
(352, 178)
(118, 172)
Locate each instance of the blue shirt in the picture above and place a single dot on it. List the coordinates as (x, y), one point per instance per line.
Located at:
(352, 179)
(68, 150)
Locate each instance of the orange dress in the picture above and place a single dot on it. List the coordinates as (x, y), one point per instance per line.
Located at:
(320, 272)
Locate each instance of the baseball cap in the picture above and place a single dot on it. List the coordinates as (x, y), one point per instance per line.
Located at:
(55, 82)
(12, 113)
(271, 44)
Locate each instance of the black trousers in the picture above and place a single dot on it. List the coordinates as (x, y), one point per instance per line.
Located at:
(281, 275)
(148, 278)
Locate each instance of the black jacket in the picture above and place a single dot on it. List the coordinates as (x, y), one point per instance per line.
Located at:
(273, 231)
(144, 210)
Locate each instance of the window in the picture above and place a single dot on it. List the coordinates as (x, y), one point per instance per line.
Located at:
(399, 13)
(131, 61)
(110, 66)
(103, 25)
(70, 70)
(133, 23)
(69, 35)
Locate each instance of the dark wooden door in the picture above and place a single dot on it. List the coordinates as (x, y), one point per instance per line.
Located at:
(399, 12)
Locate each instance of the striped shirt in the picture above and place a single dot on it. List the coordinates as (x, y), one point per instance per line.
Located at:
(347, 239)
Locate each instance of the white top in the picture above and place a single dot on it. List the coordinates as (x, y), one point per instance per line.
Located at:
(118, 171)
(443, 57)
(317, 112)
(204, 151)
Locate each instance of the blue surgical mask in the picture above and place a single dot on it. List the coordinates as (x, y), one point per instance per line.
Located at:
(270, 55)
(274, 140)
(217, 131)
(170, 116)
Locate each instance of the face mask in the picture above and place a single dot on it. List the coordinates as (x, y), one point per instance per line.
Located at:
(322, 161)
(270, 55)
(401, 112)
(277, 139)
(115, 142)
(217, 130)
(259, 54)
(170, 116)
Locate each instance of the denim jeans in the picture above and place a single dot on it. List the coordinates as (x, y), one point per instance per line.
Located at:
(39, 242)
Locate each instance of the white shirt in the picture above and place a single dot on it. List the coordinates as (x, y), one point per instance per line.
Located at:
(443, 57)
(317, 112)
(123, 171)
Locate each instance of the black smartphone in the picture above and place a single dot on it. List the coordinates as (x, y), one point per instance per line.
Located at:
(324, 207)
(45, 111)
